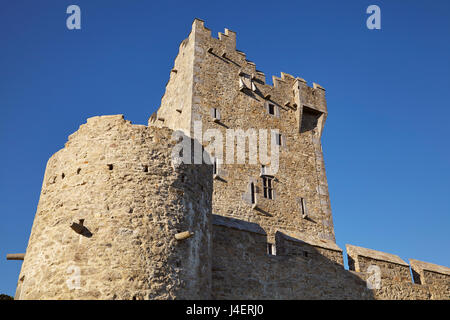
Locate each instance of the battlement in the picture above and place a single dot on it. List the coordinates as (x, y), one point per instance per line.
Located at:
(311, 268)
(428, 273)
(225, 46)
(393, 268)
(140, 226)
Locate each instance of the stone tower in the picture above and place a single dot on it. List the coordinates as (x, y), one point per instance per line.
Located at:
(214, 84)
(111, 206)
(120, 217)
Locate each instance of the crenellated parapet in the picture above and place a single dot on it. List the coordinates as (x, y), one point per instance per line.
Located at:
(390, 276)
(119, 219)
(303, 267)
(287, 92)
(391, 266)
(429, 273)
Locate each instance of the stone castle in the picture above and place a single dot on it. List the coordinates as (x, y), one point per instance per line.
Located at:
(117, 219)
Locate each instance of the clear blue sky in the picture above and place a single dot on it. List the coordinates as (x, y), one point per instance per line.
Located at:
(386, 140)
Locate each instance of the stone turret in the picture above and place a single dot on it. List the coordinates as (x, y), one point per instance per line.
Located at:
(118, 218)
(111, 206)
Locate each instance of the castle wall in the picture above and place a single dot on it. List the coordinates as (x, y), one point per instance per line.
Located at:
(176, 104)
(120, 179)
(392, 267)
(428, 273)
(396, 282)
(308, 247)
(218, 71)
(242, 268)
(118, 219)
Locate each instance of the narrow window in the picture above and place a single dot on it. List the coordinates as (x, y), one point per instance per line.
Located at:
(279, 139)
(215, 114)
(303, 207)
(215, 166)
(271, 109)
(267, 187)
(271, 249)
(252, 192)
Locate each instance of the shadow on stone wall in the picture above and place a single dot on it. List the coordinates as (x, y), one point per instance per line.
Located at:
(242, 268)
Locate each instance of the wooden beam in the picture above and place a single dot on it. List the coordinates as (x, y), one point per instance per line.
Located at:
(183, 235)
(15, 256)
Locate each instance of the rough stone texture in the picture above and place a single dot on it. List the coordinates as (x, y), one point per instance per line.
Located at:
(391, 266)
(176, 104)
(428, 273)
(242, 269)
(120, 179)
(300, 116)
(308, 247)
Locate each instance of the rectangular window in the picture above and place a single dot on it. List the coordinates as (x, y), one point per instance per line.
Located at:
(271, 109)
(271, 249)
(267, 187)
(215, 114)
(252, 193)
(215, 167)
(303, 209)
(279, 139)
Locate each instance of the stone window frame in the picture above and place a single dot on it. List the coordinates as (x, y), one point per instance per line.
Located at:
(215, 114)
(276, 109)
(216, 168)
(252, 193)
(303, 204)
(280, 139)
(271, 249)
(268, 187)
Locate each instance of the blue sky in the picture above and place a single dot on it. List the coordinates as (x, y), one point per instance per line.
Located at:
(386, 140)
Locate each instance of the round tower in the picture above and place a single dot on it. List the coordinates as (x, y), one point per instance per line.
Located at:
(117, 220)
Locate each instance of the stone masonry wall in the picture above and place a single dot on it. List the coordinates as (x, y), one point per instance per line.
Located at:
(217, 70)
(120, 179)
(113, 203)
(176, 103)
(396, 282)
(243, 269)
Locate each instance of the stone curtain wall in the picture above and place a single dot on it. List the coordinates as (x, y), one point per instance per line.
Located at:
(243, 269)
(119, 178)
(113, 204)
(396, 281)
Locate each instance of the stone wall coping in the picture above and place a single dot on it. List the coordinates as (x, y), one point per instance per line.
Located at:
(373, 254)
(237, 224)
(420, 266)
(315, 242)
